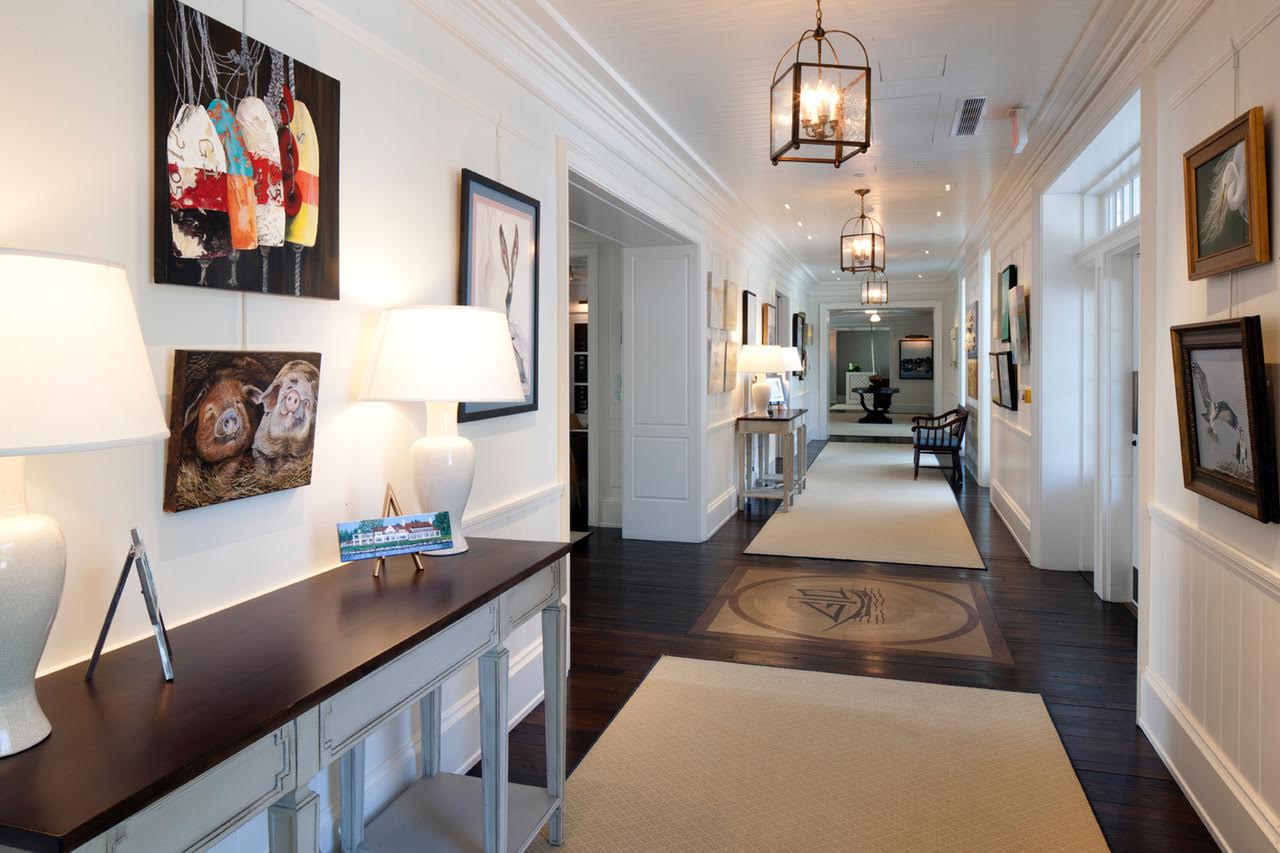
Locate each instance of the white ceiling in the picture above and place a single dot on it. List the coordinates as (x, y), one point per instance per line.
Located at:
(705, 67)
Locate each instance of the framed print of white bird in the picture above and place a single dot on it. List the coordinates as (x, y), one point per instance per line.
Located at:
(1224, 415)
(1225, 179)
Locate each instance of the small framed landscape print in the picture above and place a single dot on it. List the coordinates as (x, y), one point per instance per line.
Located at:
(1225, 182)
(389, 537)
(498, 268)
(1224, 415)
(915, 358)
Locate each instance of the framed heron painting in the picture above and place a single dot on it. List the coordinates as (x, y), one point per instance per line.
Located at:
(1224, 415)
(1225, 182)
(498, 268)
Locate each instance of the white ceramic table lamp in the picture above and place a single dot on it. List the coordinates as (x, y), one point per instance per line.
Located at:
(74, 376)
(761, 359)
(791, 363)
(443, 355)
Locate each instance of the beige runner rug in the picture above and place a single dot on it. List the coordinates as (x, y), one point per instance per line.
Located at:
(862, 504)
(710, 756)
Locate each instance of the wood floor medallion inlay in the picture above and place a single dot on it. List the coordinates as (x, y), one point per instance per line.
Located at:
(857, 609)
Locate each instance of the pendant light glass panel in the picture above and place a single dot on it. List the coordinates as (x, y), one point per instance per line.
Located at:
(875, 289)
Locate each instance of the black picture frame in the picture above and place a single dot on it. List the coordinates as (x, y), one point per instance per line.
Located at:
(1008, 281)
(912, 373)
(799, 324)
(522, 208)
(1004, 386)
(1205, 356)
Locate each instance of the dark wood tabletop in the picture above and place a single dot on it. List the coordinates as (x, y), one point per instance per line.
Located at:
(778, 415)
(128, 739)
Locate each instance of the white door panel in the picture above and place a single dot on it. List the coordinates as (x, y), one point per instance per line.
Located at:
(661, 379)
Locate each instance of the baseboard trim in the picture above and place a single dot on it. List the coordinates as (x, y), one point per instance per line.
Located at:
(1014, 519)
(1232, 811)
(717, 514)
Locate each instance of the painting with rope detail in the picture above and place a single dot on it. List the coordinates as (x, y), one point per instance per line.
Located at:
(246, 143)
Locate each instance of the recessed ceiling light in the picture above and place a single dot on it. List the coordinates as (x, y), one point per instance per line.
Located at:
(939, 214)
(788, 207)
(800, 224)
(926, 251)
(875, 318)
(810, 236)
(947, 187)
(918, 275)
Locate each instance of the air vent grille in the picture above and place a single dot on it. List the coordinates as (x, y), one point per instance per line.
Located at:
(969, 115)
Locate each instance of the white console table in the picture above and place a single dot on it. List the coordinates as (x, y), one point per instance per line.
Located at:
(270, 692)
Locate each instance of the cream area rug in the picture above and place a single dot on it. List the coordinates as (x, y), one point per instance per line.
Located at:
(710, 756)
(862, 504)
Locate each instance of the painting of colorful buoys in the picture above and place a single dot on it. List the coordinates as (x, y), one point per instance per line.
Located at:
(247, 160)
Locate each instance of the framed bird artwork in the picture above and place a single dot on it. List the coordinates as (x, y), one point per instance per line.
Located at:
(1224, 415)
(1225, 184)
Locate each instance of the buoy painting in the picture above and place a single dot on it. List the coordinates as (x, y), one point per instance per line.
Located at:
(246, 160)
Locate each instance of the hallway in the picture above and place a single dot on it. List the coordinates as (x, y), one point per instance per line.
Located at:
(634, 602)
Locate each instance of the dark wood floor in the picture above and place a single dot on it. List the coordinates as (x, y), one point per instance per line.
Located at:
(632, 602)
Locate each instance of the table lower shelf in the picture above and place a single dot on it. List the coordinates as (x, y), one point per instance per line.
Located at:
(445, 812)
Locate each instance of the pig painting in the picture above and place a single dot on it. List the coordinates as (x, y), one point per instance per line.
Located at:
(241, 424)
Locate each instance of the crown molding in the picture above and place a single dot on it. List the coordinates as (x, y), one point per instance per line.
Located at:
(551, 61)
(1086, 94)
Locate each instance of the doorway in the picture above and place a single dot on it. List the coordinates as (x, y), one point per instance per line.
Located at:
(634, 453)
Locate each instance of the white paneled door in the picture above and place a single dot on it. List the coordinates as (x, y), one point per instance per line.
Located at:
(661, 398)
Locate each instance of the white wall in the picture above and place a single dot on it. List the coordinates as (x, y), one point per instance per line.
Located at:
(428, 87)
(1210, 588)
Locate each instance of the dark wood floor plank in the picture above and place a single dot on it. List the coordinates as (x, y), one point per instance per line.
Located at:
(634, 601)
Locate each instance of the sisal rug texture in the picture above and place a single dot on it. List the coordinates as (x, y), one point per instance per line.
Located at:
(710, 756)
(862, 504)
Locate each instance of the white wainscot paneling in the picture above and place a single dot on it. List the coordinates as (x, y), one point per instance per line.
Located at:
(392, 750)
(722, 476)
(1011, 476)
(1211, 692)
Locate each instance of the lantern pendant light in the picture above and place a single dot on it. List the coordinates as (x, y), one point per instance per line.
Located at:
(875, 289)
(862, 242)
(819, 110)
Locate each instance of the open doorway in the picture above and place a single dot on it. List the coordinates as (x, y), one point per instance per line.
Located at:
(635, 459)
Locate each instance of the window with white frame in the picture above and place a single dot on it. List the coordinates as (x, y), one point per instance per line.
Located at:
(1120, 205)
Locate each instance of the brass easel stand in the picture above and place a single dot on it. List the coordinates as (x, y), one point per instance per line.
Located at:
(390, 507)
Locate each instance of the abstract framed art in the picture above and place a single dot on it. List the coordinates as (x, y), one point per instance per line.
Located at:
(1225, 421)
(1008, 281)
(1225, 184)
(246, 157)
(498, 255)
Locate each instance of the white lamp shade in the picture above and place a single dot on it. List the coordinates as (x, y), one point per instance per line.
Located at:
(74, 373)
(761, 358)
(791, 359)
(444, 354)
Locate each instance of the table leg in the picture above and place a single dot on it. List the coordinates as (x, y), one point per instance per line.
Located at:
(802, 457)
(494, 670)
(292, 822)
(788, 463)
(351, 799)
(555, 629)
(740, 462)
(429, 717)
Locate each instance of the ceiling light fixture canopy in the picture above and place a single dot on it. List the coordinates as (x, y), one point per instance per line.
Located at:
(862, 242)
(875, 289)
(819, 110)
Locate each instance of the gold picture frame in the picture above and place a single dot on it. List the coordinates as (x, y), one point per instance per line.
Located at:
(1225, 188)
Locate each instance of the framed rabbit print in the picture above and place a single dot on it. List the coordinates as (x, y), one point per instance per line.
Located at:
(498, 268)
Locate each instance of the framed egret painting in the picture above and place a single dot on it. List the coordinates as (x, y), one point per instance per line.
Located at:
(246, 153)
(1224, 415)
(1225, 181)
(498, 268)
